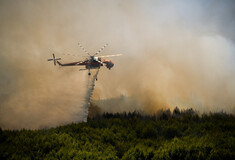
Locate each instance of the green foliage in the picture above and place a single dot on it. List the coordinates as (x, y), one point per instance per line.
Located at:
(177, 135)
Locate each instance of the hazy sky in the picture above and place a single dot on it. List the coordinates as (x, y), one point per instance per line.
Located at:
(174, 53)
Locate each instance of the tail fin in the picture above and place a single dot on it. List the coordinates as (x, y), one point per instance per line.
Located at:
(59, 63)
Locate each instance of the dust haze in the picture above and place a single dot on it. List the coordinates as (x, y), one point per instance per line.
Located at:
(174, 54)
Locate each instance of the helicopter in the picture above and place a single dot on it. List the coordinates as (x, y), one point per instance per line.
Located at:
(92, 62)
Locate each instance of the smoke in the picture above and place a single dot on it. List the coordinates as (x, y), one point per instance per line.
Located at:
(34, 93)
(174, 53)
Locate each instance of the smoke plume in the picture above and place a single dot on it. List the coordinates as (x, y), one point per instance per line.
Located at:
(175, 53)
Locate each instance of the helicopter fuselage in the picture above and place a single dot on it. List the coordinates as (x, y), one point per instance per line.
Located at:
(97, 63)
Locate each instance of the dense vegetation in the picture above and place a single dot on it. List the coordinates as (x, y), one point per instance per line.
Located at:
(176, 135)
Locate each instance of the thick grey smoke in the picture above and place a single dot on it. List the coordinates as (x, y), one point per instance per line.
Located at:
(175, 53)
(34, 93)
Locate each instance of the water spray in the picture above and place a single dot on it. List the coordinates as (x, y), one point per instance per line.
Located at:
(90, 89)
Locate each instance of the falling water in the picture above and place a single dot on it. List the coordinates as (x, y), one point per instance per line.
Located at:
(90, 89)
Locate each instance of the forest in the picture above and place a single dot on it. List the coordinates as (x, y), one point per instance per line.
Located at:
(177, 134)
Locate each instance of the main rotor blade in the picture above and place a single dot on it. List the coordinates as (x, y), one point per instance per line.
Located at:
(83, 49)
(100, 62)
(101, 49)
(50, 59)
(114, 55)
(71, 55)
(74, 55)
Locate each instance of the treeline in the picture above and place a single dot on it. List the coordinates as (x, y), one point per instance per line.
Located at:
(159, 115)
(180, 134)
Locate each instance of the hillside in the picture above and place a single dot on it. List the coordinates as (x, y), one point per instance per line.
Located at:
(170, 135)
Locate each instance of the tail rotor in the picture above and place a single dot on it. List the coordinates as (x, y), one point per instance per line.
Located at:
(54, 59)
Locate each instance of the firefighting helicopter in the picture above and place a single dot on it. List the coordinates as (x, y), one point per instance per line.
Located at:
(92, 62)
